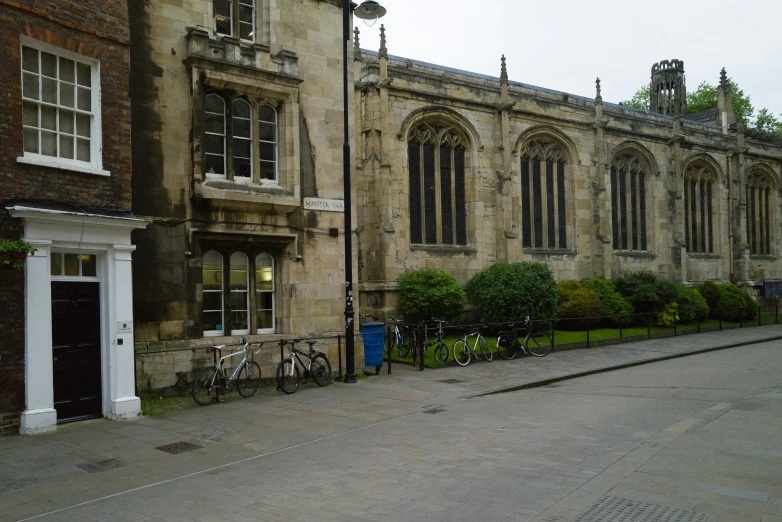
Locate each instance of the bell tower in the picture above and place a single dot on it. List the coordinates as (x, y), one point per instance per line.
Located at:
(668, 90)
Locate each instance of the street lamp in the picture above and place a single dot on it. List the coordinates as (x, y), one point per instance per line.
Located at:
(368, 10)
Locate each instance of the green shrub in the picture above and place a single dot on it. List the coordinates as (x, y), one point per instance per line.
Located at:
(581, 306)
(617, 309)
(711, 292)
(509, 292)
(692, 305)
(668, 316)
(647, 292)
(733, 302)
(752, 307)
(431, 292)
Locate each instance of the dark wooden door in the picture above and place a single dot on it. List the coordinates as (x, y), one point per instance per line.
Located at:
(76, 350)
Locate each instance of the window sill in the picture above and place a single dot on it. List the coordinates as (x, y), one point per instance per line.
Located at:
(444, 249)
(549, 252)
(763, 257)
(705, 257)
(62, 165)
(640, 254)
(247, 192)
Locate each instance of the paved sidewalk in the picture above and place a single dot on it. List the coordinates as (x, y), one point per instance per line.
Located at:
(85, 461)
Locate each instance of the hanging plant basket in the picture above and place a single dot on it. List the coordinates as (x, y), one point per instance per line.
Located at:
(13, 253)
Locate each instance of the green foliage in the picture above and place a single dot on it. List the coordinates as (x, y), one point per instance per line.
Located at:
(765, 121)
(509, 292)
(647, 292)
(614, 305)
(752, 307)
(13, 252)
(431, 292)
(732, 303)
(668, 316)
(581, 306)
(711, 292)
(691, 303)
(640, 99)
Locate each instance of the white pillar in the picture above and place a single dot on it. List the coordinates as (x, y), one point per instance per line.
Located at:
(122, 378)
(39, 415)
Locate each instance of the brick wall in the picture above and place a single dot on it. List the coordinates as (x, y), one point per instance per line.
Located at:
(11, 339)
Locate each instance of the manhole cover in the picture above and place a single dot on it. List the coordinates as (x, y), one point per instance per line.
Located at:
(615, 509)
(451, 381)
(434, 410)
(179, 447)
(101, 465)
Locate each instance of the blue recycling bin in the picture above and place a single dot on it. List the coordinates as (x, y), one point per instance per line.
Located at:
(373, 333)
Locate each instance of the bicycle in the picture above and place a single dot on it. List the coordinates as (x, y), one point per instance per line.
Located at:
(463, 352)
(536, 342)
(318, 367)
(441, 350)
(396, 336)
(212, 381)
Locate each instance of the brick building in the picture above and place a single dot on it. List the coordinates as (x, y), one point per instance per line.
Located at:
(66, 349)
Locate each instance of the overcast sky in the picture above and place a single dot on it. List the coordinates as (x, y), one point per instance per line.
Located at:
(565, 44)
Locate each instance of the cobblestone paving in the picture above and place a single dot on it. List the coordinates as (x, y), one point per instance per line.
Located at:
(701, 434)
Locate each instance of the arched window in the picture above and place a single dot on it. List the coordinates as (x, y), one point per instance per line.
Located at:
(214, 135)
(267, 135)
(264, 293)
(760, 210)
(242, 139)
(628, 203)
(543, 201)
(240, 297)
(700, 187)
(212, 294)
(436, 161)
(235, 17)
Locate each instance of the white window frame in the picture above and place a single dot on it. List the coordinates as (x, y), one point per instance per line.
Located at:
(274, 300)
(246, 292)
(276, 144)
(234, 20)
(95, 165)
(224, 136)
(234, 138)
(230, 19)
(239, 20)
(215, 333)
(80, 277)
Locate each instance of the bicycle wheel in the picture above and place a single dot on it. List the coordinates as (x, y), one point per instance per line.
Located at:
(508, 351)
(441, 353)
(404, 345)
(485, 349)
(204, 389)
(539, 344)
(321, 370)
(249, 379)
(461, 353)
(288, 379)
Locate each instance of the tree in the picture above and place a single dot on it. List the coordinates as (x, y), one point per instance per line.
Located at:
(640, 99)
(765, 121)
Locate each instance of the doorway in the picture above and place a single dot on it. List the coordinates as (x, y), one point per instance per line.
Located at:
(76, 350)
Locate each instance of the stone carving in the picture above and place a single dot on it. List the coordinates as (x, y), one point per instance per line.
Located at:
(383, 53)
(503, 70)
(759, 179)
(700, 171)
(434, 134)
(598, 95)
(356, 45)
(724, 80)
(628, 163)
(542, 149)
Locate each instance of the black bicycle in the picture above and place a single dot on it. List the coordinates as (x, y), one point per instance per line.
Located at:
(318, 367)
(536, 341)
(440, 349)
(398, 336)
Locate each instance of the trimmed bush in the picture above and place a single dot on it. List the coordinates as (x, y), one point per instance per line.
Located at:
(711, 293)
(617, 308)
(509, 292)
(668, 316)
(647, 292)
(581, 306)
(431, 292)
(733, 303)
(692, 305)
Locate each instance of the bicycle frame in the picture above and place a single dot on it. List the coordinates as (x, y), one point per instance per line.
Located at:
(472, 348)
(296, 354)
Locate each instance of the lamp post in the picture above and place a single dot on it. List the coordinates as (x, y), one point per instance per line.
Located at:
(368, 10)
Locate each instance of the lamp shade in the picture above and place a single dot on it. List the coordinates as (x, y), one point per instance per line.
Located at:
(370, 10)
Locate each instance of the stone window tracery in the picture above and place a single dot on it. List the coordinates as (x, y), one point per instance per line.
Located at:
(436, 161)
(543, 189)
(760, 206)
(628, 203)
(700, 186)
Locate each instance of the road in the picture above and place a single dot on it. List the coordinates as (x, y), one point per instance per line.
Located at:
(693, 439)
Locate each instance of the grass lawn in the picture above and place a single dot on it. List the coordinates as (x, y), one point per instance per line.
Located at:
(562, 337)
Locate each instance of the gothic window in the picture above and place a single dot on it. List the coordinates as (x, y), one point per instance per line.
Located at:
(543, 202)
(226, 310)
(214, 135)
(212, 298)
(760, 205)
(628, 203)
(436, 161)
(267, 131)
(235, 18)
(264, 293)
(700, 191)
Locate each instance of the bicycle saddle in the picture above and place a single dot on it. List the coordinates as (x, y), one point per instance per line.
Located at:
(220, 347)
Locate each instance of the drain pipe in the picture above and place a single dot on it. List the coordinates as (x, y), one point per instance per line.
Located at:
(730, 216)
